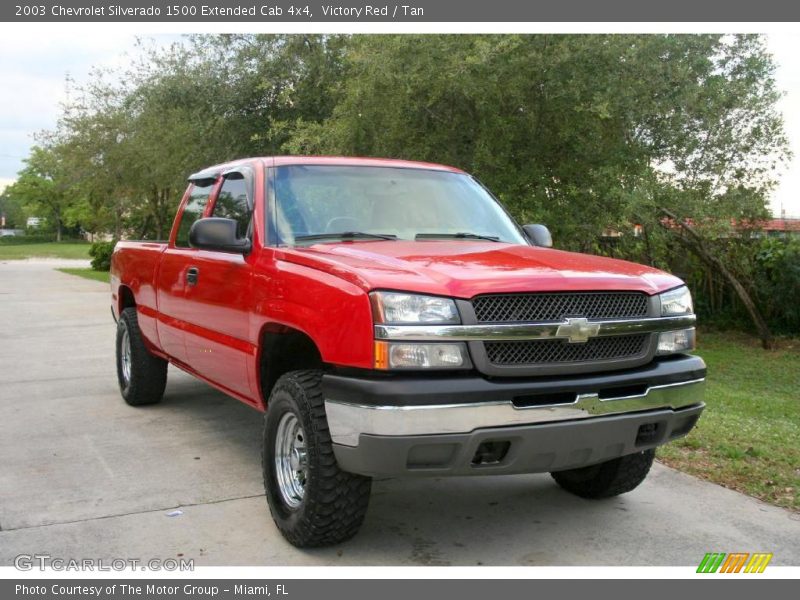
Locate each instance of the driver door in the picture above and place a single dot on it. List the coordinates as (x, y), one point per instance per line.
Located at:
(216, 307)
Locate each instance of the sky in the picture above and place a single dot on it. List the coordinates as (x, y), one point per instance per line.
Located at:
(34, 70)
(785, 48)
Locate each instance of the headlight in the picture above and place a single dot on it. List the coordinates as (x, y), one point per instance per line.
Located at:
(676, 302)
(395, 308)
(670, 342)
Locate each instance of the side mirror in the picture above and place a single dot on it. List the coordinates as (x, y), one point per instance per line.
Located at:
(216, 233)
(539, 235)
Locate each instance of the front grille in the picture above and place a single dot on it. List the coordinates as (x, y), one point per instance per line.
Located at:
(561, 351)
(510, 308)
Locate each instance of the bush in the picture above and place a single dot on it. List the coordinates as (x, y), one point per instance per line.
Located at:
(21, 240)
(777, 283)
(101, 255)
(768, 267)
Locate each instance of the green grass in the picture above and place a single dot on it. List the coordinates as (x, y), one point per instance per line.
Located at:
(103, 276)
(45, 250)
(748, 437)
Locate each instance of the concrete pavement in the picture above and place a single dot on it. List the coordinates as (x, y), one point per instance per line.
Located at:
(84, 475)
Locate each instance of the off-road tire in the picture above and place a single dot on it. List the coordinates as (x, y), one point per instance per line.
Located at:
(607, 479)
(148, 373)
(334, 502)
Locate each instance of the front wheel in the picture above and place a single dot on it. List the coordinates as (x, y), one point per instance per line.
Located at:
(607, 479)
(312, 501)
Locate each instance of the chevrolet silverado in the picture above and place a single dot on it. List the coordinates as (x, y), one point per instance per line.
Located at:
(391, 319)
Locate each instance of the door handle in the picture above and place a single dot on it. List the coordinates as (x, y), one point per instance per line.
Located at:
(192, 274)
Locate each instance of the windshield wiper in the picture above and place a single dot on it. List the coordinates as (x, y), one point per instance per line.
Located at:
(461, 235)
(346, 235)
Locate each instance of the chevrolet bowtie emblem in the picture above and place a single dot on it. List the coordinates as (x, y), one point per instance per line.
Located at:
(577, 331)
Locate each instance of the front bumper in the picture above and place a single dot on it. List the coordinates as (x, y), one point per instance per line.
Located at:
(442, 426)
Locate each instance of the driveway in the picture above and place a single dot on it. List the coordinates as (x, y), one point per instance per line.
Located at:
(84, 475)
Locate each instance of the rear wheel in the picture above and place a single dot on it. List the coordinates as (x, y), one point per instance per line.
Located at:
(313, 502)
(142, 376)
(607, 479)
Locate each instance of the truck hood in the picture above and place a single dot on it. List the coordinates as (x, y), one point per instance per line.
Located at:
(463, 269)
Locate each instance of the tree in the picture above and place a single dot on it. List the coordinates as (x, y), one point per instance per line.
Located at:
(584, 133)
(41, 187)
(130, 141)
(11, 208)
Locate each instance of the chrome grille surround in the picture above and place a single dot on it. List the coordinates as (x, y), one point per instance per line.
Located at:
(559, 356)
(618, 349)
(562, 330)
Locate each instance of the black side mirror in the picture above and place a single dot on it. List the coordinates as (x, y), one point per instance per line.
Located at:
(216, 233)
(539, 235)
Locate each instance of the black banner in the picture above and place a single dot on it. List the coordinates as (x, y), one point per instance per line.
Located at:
(359, 11)
(398, 589)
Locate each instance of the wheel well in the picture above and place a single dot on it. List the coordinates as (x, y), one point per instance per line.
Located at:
(126, 299)
(284, 349)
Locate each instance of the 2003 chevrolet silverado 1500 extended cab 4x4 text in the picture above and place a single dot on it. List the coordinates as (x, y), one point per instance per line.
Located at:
(391, 319)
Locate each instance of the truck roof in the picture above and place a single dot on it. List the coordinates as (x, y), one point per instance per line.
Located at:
(344, 161)
(356, 162)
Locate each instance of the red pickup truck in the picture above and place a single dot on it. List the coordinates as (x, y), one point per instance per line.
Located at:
(391, 319)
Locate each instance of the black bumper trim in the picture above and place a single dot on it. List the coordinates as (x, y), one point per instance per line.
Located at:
(404, 390)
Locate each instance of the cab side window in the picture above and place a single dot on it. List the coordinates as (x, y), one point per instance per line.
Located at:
(198, 199)
(233, 203)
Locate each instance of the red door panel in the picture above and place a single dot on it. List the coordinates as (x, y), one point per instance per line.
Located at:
(216, 315)
(171, 292)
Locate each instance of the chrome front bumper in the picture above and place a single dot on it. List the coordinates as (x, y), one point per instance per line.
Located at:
(349, 421)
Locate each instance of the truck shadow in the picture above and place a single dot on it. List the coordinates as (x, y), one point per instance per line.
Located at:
(238, 426)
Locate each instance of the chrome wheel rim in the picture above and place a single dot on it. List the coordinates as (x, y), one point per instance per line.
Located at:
(125, 356)
(291, 460)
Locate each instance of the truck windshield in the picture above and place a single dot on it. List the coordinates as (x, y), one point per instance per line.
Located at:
(363, 203)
